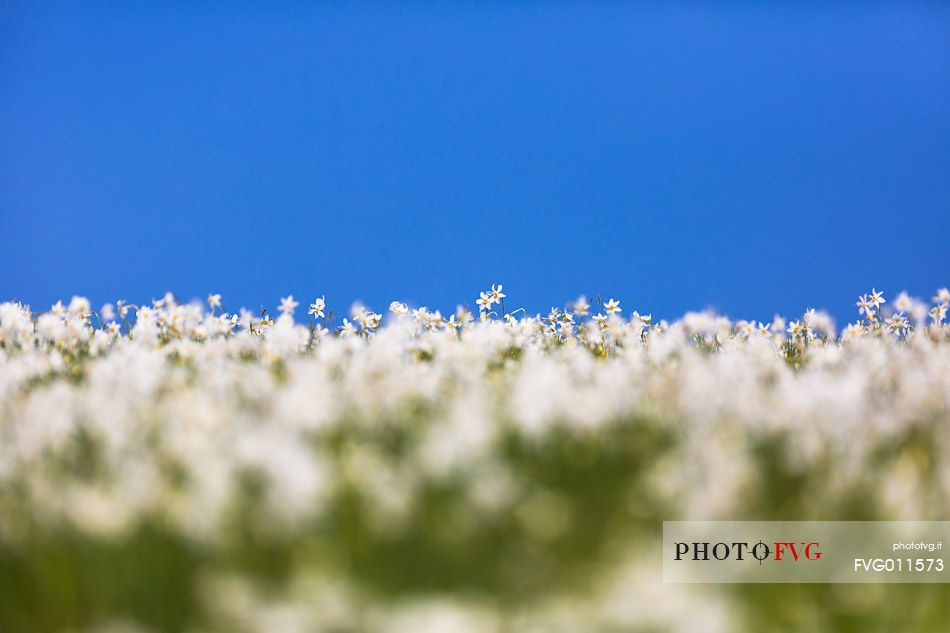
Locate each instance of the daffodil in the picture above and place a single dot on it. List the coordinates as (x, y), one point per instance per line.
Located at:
(317, 307)
(581, 306)
(399, 309)
(938, 313)
(897, 324)
(347, 329)
(877, 298)
(288, 305)
(797, 328)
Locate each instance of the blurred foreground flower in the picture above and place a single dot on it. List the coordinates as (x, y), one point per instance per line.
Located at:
(190, 470)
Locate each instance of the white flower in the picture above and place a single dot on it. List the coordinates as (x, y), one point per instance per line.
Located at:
(938, 313)
(581, 306)
(214, 301)
(288, 305)
(196, 422)
(399, 309)
(897, 324)
(485, 301)
(463, 315)
(347, 328)
(778, 323)
(903, 303)
(367, 319)
(80, 307)
(645, 319)
(421, 316)
(877, 298)
(819, 323)
(853, 331)
(317, 307)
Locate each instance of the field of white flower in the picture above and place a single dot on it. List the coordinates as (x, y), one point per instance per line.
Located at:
(176, 467)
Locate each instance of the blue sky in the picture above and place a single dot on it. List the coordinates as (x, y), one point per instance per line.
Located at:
(674, 155)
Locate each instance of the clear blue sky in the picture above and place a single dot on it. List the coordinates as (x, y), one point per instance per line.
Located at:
(674, 155)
